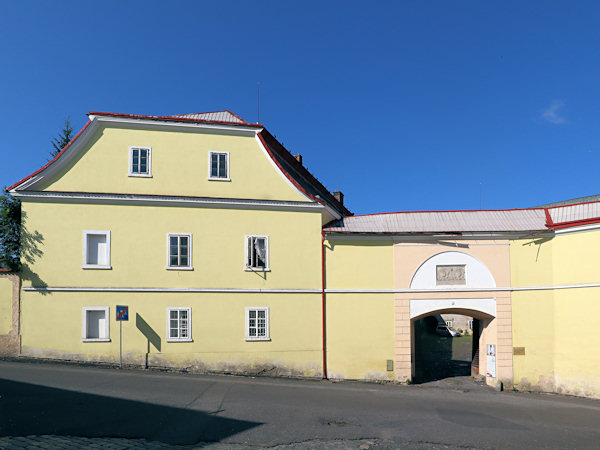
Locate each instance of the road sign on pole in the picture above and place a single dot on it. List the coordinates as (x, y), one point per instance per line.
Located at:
(122, 314)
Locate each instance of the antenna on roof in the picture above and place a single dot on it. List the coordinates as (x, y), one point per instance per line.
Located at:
(258, 102)
(480, 195)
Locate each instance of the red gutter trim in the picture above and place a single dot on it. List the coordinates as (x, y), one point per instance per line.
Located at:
(575, 223)
(573, 204)
(448, 211)
(52, 161)
(285, 172)
(549, 222)
(174, 119)
(323, 314)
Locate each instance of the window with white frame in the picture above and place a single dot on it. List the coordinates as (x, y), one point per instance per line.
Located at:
(257, 252)
(179, 324)
(95, 324)
(449, 323)
(470, 324)
(218, 166)
(140, 162)
(179, 251)
(96, 249)
(257, 323)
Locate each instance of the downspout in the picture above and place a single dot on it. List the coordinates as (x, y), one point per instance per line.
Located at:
(323, 302)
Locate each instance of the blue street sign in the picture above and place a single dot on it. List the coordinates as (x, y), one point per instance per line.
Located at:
(122, 313)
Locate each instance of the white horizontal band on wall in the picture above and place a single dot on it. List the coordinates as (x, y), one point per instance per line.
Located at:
(173, 290)
(306, 291)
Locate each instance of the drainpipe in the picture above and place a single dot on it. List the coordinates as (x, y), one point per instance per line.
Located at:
(323, 301)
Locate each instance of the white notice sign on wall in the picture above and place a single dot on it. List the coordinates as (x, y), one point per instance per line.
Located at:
(491, 360)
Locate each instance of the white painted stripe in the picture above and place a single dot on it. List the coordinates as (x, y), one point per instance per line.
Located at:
(172, 290)
(307, 291)
(165, 200)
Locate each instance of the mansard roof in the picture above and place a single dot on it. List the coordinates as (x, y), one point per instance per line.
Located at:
(291, 168)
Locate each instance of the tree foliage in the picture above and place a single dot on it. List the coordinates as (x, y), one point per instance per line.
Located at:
(10, 232)
(61, 141)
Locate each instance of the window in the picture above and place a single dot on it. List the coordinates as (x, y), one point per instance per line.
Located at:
(257, 253)
(179, 324)
(179, 251)
(218, 166)
(95, 324)
(96, 249)
(470, 324)
(449, 323)
(140, 161)
(257, 324)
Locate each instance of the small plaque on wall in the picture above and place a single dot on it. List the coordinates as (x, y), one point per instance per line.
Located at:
(450, 275)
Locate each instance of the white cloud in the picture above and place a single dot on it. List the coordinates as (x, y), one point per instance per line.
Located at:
(552, 113)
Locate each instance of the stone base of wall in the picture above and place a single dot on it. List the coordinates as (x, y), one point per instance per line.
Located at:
(10, 344)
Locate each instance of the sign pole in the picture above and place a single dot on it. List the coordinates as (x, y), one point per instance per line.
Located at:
(120, 344)
(122, 314)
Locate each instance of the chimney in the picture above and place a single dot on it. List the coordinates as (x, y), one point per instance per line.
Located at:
(298, 158)
(339, 197)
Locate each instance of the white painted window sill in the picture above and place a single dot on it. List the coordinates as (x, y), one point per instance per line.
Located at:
(179, 340)
(92, 266)
(218, 179)
(95, 340)
(141, 175)
(257, 269)
(251, 339)
(179, 268)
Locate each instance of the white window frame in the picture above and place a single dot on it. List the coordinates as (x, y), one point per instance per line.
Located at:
(106, 310)
(210, 177)
(189, 266)
(135, 174)
(267, 336)
(85, 264)
(449, 323)
(189, 314)
(267, 263)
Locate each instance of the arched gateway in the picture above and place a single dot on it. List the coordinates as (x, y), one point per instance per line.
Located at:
(456, 282)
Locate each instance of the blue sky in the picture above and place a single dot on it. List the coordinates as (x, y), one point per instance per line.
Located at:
(401, 105)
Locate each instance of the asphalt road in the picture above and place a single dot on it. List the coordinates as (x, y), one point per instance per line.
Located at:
(181, 409)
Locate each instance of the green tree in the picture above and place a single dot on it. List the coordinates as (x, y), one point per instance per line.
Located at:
(10, 232)
(61, 141)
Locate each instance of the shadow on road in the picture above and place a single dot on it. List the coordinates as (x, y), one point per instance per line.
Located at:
(28, 409)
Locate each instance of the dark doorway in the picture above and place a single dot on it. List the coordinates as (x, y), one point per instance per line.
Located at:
(443, 350)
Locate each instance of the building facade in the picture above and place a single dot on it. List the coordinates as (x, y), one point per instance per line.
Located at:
(233, 258)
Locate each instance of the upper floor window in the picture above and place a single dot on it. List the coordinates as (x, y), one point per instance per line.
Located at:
(218, 166)
(257, 253)
(96, 249)
(179, 251)
(140, 162)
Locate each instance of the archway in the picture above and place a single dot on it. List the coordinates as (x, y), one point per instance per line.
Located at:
(446, 343)
(450, 280)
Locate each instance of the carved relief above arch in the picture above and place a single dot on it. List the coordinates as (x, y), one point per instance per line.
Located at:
(452, 269)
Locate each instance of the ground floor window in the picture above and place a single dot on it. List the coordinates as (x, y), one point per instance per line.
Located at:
(179, 324)
(257, 323)
(95, 324)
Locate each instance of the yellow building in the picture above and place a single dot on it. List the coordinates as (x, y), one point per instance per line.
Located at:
(231, 257)
(202, 224)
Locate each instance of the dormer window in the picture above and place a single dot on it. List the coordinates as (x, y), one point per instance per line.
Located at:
(140, 161)
(218, 166)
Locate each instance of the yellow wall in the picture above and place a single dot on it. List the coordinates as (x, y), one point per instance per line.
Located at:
(179, 166)
(556, 327)
(139, 246)
(359, 264)
(360, 336)
(52, 327)
(360, 327)
(6, 288)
